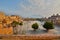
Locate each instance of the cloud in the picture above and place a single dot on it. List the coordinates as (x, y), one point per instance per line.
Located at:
(39, 7)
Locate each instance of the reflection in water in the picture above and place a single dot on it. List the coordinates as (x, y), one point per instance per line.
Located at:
(28, 29)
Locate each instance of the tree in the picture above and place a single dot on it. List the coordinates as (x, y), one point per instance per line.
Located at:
(35, 26)
(21, 23)
(15, 25)
(48, 25)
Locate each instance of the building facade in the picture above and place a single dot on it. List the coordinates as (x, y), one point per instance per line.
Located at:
(55, 19)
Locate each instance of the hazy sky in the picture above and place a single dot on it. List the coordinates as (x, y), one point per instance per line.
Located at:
(30, 8)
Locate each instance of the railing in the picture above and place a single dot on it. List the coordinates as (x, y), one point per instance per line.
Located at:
(31, 37)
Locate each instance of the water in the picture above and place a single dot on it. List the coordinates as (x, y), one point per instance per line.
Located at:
(57, 28)
(27, 28)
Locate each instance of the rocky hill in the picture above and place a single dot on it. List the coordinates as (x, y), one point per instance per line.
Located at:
(5, 21)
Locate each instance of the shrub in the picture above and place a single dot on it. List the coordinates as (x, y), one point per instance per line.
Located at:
(48, 25)
(21, 23)
(35, 26)
(14, 23)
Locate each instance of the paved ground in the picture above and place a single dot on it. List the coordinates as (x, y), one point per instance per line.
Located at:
(31, 37)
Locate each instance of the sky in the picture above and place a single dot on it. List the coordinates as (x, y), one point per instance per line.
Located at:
(30, 8)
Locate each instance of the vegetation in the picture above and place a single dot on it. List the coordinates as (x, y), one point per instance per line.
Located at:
(48, 25)
(21, 23)
(35, 26)
(14, 24)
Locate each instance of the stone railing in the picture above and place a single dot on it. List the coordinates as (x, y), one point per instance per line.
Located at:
(31, 37)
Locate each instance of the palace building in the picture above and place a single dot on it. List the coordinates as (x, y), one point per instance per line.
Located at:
(55, 18)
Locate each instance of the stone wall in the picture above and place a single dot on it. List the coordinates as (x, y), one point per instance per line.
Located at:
(31, 37)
